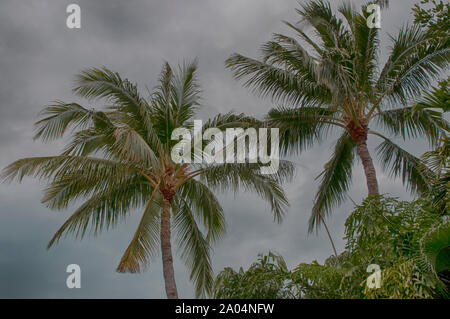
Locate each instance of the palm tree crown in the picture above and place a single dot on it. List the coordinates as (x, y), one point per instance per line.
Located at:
(119, 159)
(330, 79)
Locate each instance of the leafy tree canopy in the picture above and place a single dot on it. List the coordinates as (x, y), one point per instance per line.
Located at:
(408, 240)
(433, 15)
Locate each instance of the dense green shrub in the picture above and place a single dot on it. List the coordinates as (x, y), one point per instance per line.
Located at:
(409, 241)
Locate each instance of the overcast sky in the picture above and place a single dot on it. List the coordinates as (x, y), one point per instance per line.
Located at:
(39, 56)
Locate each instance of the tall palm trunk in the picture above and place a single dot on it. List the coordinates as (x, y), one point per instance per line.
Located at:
(369, 168)
(166, 250)
(358, 132)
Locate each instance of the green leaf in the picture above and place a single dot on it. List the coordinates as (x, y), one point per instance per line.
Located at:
(335, 180)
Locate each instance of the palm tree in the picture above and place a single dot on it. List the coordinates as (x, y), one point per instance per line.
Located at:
(330, 80)
(119, 159)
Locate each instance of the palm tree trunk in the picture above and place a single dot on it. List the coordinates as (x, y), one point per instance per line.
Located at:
(166, 250)
(369, 168)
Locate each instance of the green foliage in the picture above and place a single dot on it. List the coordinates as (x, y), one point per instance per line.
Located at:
(264, 279)
(403, 280)
(389, 233)
(315, 281)
(435, 166)
(335, 179)
(408, 240)
(433, 15)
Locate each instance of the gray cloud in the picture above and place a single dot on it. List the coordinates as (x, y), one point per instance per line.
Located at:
(39, 56)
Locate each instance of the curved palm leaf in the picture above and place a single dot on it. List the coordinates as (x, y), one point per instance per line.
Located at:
(247, 175)
(132, 109)
(435, 248)
(144, 243)
(416, 59)
(414, 122)
(335, 180)
(278, 83)
(103, 210)
(301, 127)
(205, 206)
(60, 116)
(401, 163)
(194, 248)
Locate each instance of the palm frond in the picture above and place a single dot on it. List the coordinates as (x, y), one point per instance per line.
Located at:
(438, 97)
(289, 54)
(162, 106)
(78, 183)
(435, 166)
(335, 180)
(132, 147)
(326, 25)
(414, 122)
(231, 176)
(144, 243)
(231, 120)
(300, 127)
(400, 163)
(318, 51)
(48, 166)
(102, 211)
(334, 69)
(60, 116)
(90, 141)
(438, 159)
(415, 60)
(281, 85)
(195, 249)
(365, 46)
(435, 252)
(205, 206)
(185, 93)
(98, 83)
